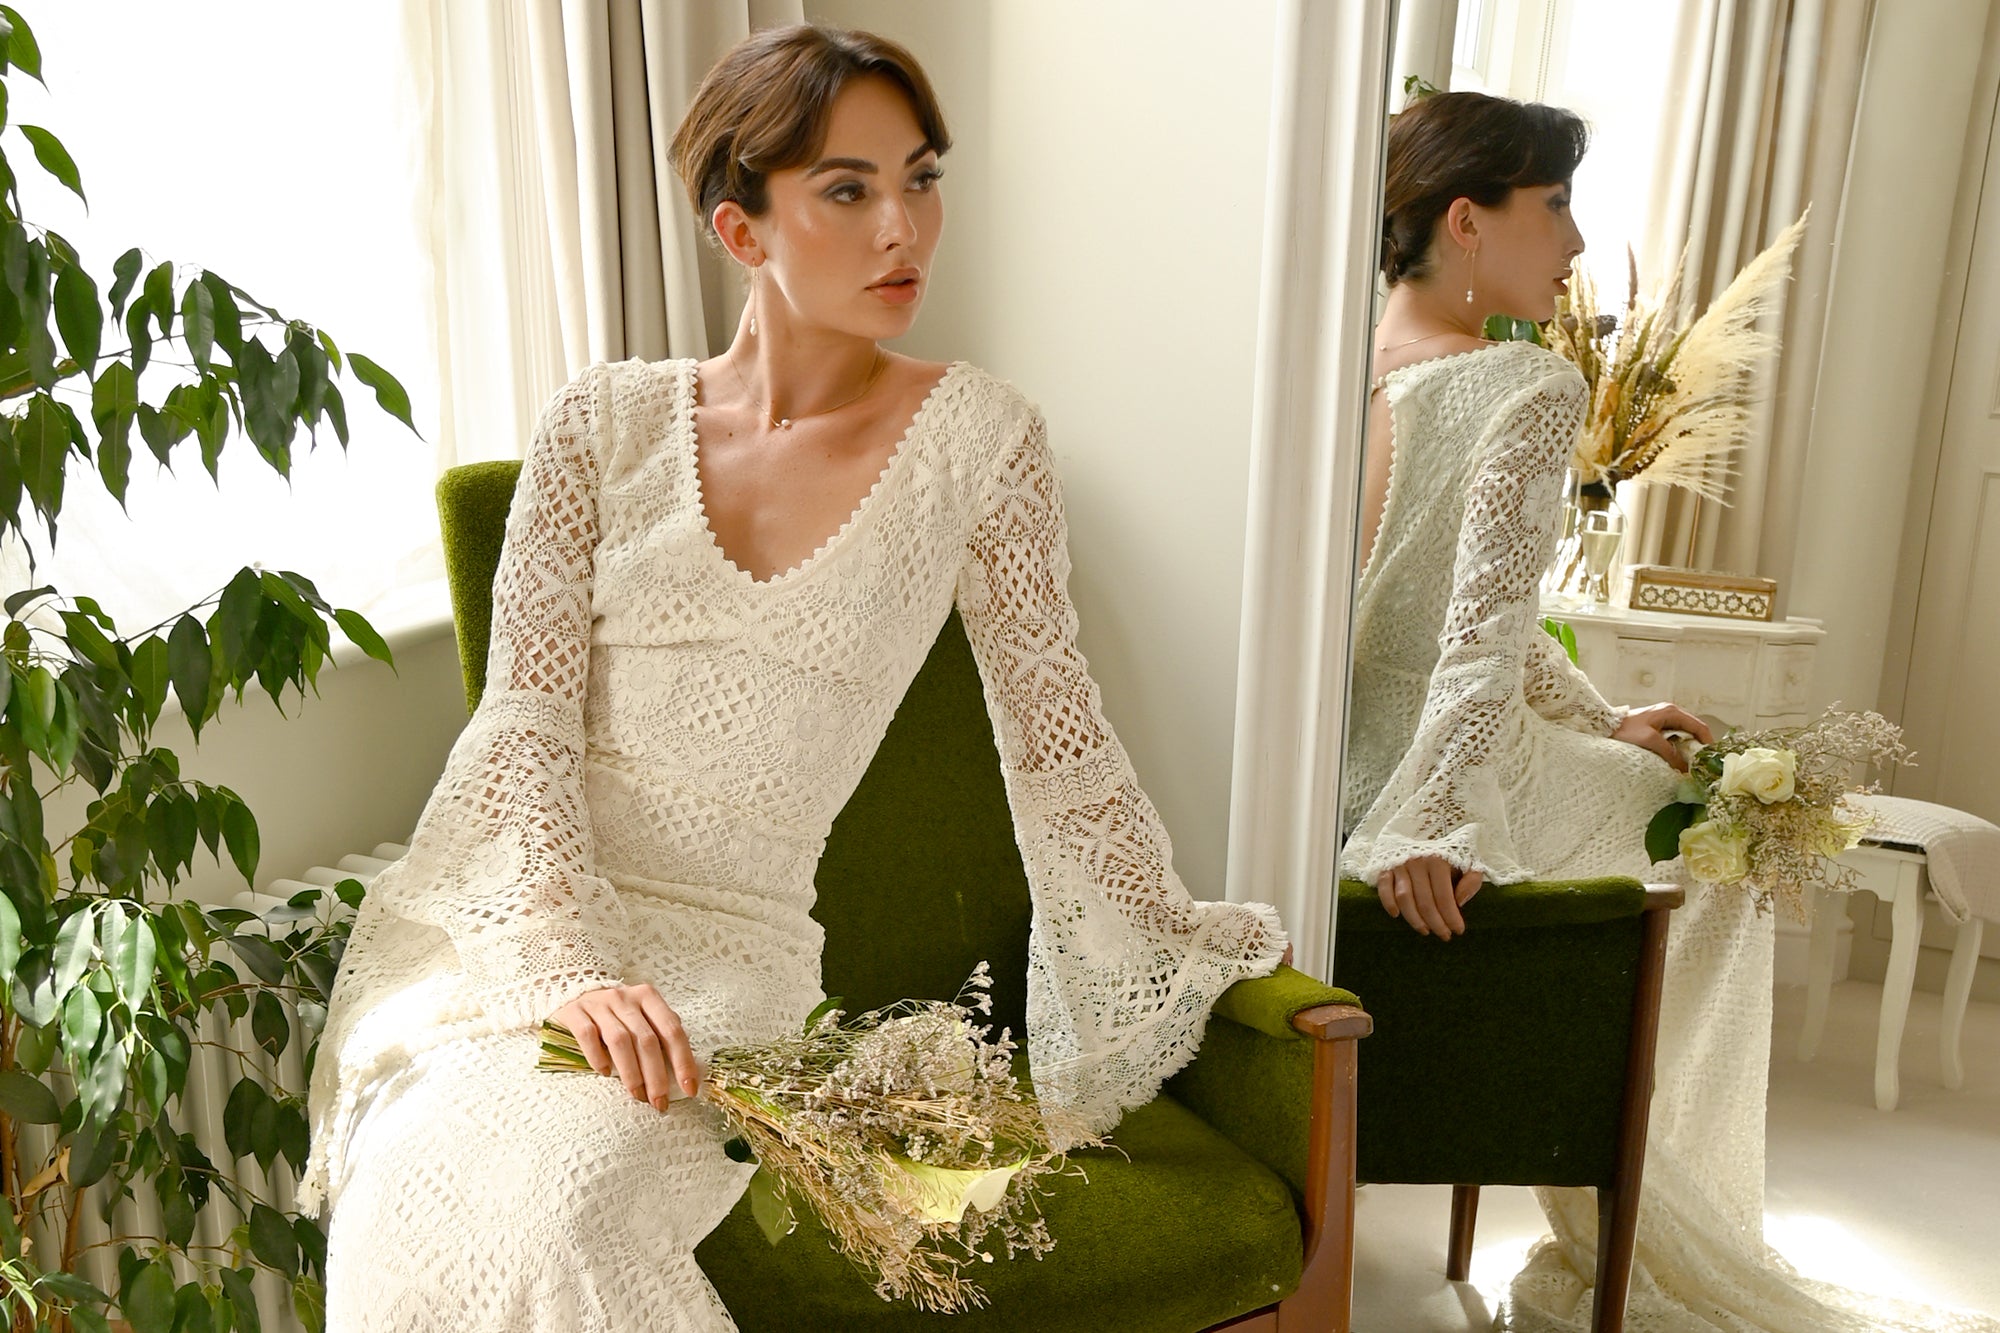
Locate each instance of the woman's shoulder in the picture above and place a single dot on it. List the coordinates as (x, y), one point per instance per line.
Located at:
(1513, 364)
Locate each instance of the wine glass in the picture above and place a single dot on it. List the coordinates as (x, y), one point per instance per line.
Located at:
(1599, 536)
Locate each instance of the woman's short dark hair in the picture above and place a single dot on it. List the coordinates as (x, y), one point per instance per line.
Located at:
(764, 107)
(1466, 146)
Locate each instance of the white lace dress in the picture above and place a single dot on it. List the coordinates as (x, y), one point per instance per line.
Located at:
(1475, 739)
(643, 795)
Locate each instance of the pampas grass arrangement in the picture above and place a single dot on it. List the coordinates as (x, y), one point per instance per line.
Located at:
(1670, 402)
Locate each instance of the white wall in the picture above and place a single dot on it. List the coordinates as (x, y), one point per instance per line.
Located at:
(1104, 204)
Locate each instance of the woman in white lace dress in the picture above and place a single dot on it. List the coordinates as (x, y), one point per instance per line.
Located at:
(719, 578)
(1479, 752)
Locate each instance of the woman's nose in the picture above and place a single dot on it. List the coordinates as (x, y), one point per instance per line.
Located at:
(897, 226)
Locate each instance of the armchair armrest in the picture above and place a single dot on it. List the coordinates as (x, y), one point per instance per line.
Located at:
(1253, 1078)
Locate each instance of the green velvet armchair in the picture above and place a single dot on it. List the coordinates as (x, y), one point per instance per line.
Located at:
(1230, 1202)
(1520, 1053)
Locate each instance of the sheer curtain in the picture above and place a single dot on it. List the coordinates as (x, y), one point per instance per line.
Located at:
(287, 167)
(561, 234)
(1760, 115)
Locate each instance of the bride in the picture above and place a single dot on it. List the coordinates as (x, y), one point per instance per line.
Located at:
(1479, 752)
(719, 578)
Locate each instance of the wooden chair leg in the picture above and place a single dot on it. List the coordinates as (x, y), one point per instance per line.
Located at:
(1618, 1202)
(1323, 1302)
(1464, 1217)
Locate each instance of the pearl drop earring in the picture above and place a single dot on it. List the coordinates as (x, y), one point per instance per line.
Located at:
(1471, 267)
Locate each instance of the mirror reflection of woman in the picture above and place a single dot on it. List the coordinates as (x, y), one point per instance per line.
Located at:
(1478, 752)
(719, 579)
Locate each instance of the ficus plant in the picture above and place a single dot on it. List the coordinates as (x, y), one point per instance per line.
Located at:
(105, 973)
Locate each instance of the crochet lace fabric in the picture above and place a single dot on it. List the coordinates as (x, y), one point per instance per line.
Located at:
(1473, 738)
(643, 795)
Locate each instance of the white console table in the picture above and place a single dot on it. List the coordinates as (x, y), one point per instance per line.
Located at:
(1740, 673)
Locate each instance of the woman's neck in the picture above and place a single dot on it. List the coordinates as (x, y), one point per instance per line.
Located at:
(1416, 310)
(794, 372)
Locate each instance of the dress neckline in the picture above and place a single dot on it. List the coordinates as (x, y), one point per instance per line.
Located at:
(1442, 357)
(689, 380)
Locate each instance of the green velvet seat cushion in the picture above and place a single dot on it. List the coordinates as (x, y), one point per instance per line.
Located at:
(1498, 1056)
(472, 517)
(1188, 1232)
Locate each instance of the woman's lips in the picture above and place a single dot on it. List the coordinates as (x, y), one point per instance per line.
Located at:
(901, 292)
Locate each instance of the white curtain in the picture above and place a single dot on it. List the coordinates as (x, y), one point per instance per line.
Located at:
(1324, 219)
(1760, 116)
(562, 235)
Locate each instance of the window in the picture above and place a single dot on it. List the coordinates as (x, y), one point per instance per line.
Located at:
(274, 144)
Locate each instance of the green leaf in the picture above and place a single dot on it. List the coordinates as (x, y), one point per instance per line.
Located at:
(82, 1024)
(16, 600)
(771, 1206)
(821, 1010)
(27, 1099)
(74, 943)
(87, 1320)
(190, 664)
(176, 1213)
(239, 834)
(198, 321)
(236, 1281)
(114, 405)
(70, 1287)
(261, 956)
(309, 1305)
(160, 296)
(129, 952)
(272, 1241)
(55, 158)
(22, 52)
(149, 1301)
(42, 439)
(87, 642)
(124, 276)
(364, 636)
(268, 1023)
(10, 935)
(389, 392)
(33, 994)
(103, 1087)
(151, 677)
(79, 318)
(191, 1310)
(1663, 834)
(139, 333)
(239, 1112)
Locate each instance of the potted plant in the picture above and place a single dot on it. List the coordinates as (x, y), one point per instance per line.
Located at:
(104, 973)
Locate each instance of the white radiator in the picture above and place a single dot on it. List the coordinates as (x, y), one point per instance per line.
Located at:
(212, 1072)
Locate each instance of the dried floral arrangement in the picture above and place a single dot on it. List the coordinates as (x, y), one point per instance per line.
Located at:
(1670, 401)
(1767, 810)
(903, 1129)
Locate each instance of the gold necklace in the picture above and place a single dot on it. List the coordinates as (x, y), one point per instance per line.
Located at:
(785, 423)
(1408, 342)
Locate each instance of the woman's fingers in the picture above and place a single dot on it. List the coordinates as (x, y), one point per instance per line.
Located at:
(1406, 902)
(1680, 719)
(1423, 887)
(623, 1044)
(678, 1049)
(649, 1052)
(1385, 889)
(589, 1039)
(1443, 893)
(1468, 884)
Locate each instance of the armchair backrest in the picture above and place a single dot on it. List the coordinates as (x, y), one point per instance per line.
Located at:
(922, 877)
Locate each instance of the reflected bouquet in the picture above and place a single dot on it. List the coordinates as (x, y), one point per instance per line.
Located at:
(903, 1129)
(1768, 810)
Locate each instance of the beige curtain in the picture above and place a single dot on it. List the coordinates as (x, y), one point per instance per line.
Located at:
(559, 232)
(1759, 126)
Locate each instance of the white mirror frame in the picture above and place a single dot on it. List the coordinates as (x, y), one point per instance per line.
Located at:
(1321, 240)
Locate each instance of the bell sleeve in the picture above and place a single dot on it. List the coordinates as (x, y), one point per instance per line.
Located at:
(1562, 694)
(1123, 964)
(501, 859)
(1444, 798)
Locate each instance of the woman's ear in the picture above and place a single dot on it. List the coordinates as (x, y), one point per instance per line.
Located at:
(738, 234)
(1461, 224)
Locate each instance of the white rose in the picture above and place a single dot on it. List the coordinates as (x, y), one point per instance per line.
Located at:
(1764, 774)
(1715, 855)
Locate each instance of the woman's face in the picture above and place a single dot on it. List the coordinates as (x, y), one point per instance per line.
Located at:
(1524, 247)
(848, 239)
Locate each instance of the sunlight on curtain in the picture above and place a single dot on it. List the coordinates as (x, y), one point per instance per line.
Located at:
(275, 145)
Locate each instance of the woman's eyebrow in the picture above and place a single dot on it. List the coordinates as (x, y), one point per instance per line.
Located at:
(860, 164)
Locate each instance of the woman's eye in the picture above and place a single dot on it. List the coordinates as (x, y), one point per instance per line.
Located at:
(847, 192)
(925, 179)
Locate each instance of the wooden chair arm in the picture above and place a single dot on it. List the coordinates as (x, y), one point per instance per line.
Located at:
(1333, 1022)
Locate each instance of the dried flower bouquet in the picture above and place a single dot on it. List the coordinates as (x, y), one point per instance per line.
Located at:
(903, 1129)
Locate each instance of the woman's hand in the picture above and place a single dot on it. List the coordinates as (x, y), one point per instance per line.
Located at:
(1427, 892)
(630, 1031)
(1647, 728)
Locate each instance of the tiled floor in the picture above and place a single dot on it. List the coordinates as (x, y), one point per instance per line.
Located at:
(1905, 1203)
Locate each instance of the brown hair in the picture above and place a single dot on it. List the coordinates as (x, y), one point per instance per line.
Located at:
(764, 107)
(1466, 146)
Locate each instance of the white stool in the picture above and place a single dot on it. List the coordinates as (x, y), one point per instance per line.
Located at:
(1898, 876)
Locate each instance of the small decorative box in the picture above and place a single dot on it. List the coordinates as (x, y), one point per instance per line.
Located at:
(1700, 592)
